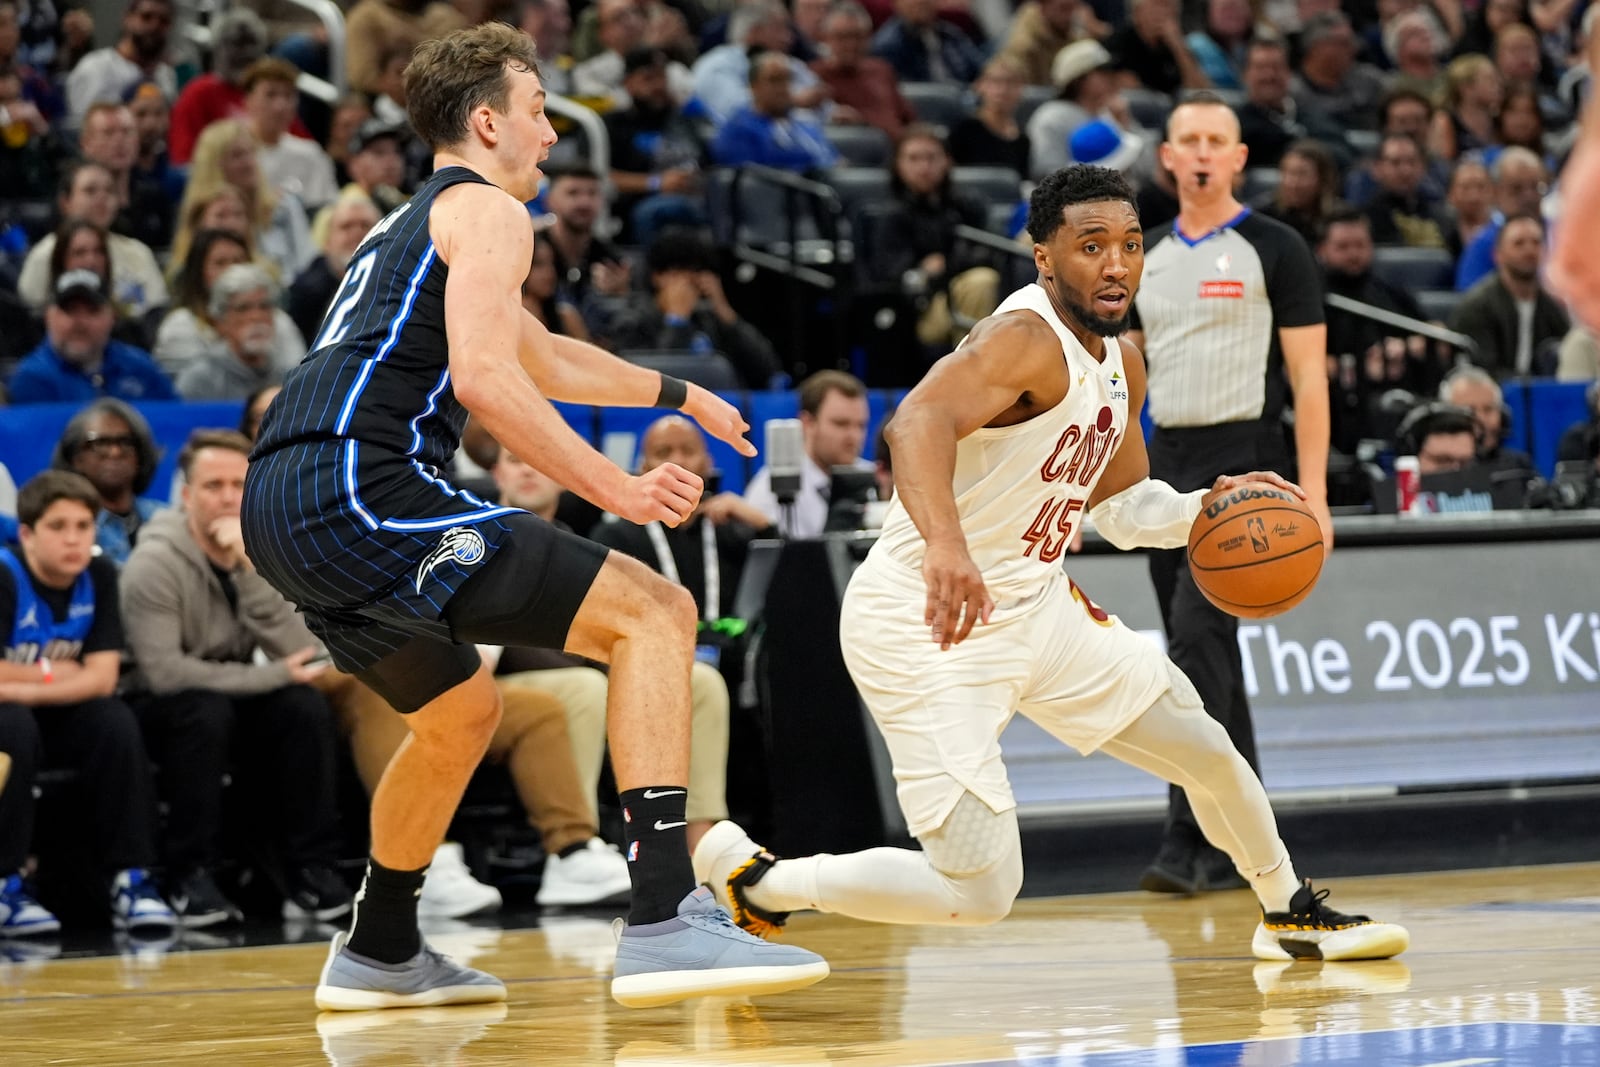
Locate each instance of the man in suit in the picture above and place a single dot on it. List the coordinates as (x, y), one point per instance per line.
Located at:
(1510, 314)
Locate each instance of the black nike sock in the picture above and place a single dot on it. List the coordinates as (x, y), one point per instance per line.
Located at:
(658, 851)
(385, 924)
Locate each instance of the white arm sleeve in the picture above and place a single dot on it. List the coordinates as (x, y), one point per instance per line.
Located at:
(1147, 514)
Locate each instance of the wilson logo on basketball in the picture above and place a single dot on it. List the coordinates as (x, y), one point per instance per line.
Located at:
(1227, 290)
(1241, 496)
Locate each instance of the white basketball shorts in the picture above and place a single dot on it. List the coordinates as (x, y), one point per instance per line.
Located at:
(1056, 657)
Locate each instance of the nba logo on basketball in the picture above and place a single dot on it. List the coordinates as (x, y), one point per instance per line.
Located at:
(1258, 535)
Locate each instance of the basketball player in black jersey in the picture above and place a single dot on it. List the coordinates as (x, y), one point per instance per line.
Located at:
(346, 511)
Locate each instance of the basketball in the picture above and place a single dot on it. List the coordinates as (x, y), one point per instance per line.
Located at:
(1255, 550)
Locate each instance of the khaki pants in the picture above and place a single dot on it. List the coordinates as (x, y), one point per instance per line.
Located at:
(582, 691)
(531, 741)
(970, 296)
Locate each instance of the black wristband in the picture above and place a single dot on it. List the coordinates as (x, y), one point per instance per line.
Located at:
(674, 391)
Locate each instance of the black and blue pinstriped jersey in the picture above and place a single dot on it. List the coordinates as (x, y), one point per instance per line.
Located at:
(346, 508)
(378, 372)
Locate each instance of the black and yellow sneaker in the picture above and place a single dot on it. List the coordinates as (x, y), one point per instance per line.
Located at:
(727, 862)
(1310, 930)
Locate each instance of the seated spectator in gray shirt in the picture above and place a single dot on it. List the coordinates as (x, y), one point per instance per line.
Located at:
(243, 303)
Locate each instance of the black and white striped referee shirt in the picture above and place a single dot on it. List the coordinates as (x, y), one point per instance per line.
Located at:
(1211, 307)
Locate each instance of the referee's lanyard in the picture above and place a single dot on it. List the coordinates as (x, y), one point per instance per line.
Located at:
(713, 566)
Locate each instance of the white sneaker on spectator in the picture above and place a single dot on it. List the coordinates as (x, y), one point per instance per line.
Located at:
(592, 874)
(20, 914)
(136, 904)
(450, 891)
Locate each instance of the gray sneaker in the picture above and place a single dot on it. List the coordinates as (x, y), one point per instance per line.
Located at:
(355, 983)
(700, 952)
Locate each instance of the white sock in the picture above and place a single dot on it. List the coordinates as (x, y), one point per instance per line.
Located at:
(1275, 884)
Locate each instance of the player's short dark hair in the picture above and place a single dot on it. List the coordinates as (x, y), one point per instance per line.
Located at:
(1342, 214)
(147, 454)
(44, 489)
(1197, 98)
(1396, 95)
(557, 173)
(815, 389)
(227, 440)
(1080, 183)
(449, 76)
(70, 172)
(1522, 216)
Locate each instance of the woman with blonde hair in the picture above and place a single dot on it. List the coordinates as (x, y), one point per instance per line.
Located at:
(225, 155)
(1465, 121)
(224, 208)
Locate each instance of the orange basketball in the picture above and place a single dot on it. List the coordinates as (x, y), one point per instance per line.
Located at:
(1255, 550)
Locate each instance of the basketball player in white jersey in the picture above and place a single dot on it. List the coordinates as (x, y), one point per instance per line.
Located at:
(963, 615)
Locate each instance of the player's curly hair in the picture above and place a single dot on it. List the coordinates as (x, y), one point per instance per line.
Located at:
(1077, 184)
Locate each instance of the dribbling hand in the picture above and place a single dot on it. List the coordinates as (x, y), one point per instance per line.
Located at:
(1319, 508)
(719, 418)
(667, 494)
(1233, 481)
(957, 597)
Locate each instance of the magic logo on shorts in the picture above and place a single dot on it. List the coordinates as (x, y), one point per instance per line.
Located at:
(460, 543)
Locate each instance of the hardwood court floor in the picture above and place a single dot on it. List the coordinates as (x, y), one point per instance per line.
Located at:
(1124, 979)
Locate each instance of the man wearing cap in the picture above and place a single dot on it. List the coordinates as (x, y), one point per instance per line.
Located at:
(656, 152)
(1088, 89)
(1042, 29)
(78, 361)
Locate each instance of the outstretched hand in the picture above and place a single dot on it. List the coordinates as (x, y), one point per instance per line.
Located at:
(957, 597)
(719, 418)
(667, 494)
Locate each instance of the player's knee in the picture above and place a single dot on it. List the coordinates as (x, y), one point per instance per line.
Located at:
(459, 725)
(672, 610)
(979, 853)
(986, 898)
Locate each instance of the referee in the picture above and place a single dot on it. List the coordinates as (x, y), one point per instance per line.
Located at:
(1230, 319)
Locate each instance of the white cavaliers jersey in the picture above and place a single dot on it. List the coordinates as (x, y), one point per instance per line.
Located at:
(1022, 490)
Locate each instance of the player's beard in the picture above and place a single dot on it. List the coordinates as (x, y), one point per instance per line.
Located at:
(1097, 324)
